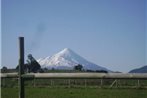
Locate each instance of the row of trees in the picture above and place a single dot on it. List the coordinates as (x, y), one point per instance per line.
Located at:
(78, 67)
(33, 66)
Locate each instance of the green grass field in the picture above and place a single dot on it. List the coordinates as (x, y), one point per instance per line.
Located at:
(60, 88)
(37, 92)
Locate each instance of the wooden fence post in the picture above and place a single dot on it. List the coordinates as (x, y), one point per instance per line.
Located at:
(34, 82)
(138, 83)
(85, 83)
(101, 85)
(69, 83)
(21, 67)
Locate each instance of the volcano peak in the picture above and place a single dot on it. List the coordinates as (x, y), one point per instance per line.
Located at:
(67, 59)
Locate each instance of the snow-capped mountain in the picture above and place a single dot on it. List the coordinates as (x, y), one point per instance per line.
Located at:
(67, 59)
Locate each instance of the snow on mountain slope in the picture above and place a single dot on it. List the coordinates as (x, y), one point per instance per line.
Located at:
(67, 59)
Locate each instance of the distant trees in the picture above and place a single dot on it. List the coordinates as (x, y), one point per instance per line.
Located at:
(4, 69)
(53, 69)
(101, 71)
(31, 66)
(78, 67)
(97, 71)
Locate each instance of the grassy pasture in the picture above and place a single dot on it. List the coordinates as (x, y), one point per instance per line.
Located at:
(60, 88)
(46, 92)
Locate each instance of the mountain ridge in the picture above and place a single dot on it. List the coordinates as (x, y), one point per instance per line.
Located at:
(139, 70)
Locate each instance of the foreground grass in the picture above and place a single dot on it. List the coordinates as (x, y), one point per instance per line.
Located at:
(75, 93)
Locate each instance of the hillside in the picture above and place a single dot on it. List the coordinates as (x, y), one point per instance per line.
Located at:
(139, 70)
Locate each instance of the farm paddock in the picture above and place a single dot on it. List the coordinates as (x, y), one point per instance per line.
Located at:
(48, 86)
(45, 92)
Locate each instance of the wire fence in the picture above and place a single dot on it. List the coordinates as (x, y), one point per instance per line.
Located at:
(76, 82)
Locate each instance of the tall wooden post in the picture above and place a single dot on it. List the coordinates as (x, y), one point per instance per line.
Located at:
(21, 67)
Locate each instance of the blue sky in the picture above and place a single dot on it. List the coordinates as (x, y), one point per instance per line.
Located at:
(110, 33)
